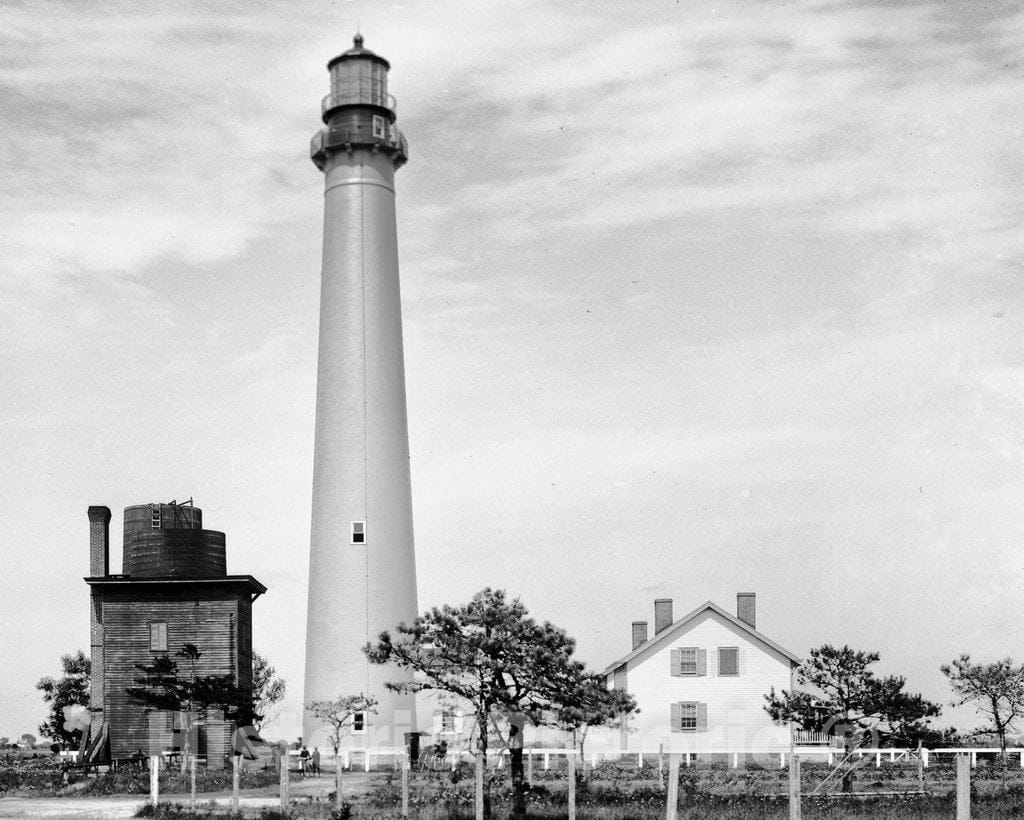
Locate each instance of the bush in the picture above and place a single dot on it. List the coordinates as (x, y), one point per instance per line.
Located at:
(135, 781)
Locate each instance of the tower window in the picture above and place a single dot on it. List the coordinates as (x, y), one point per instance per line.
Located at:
(156, 518)
(359, 722)
(158, 636)
(358, 532)
(378, 127)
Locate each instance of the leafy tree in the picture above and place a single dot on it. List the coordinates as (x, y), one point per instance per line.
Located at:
(28, 740)
(70, 689)
(996, 690)
(500, 662)
(591, 703)
(267, 690)
(846, 696)
(162, 686)
(337, 716)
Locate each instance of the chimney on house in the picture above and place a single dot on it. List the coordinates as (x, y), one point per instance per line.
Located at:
(662, 614)
(639, 633)
(746, 608)
(99, 542)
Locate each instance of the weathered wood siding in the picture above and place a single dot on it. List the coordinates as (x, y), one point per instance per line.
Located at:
(217, 619)
(736, 719)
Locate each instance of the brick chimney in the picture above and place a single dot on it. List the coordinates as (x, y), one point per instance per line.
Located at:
(639, 633)
(746, 608)
(662, 614)
(99, 541)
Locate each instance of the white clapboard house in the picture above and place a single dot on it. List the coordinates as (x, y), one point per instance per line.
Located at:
(700, 681)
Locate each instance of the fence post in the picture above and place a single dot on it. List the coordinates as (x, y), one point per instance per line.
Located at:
(794, 786)
(479, 787)
(529, 767)
(236, 768)
(192, 784)
(661, 760)
(571, 761)
(405, 788)
(672, 800)
(284, 779)
(154, 779)
(963, 786)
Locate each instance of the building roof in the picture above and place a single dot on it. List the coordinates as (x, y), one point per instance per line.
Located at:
(248, 581)
(690, 616)
(356, 52)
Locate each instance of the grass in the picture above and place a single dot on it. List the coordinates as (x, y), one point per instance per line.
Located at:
(614, 791)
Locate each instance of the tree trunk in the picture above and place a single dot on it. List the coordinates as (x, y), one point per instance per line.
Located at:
(518, 783)
(482, 746)
(848, 778)
(337, 780)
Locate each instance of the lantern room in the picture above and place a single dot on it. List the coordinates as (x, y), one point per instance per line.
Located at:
(359, 112)
(358, 77)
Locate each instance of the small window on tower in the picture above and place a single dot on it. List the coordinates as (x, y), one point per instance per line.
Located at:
(156, 518)
(359, 722)
(378, 127)
(358, 532)
(158, 636)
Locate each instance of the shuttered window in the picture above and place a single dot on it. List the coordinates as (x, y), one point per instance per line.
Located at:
(689, 716)
(448, 722)
(728, 660)
(689, 661)
(158, 636)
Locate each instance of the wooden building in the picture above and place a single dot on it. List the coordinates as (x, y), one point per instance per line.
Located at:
(173, 589)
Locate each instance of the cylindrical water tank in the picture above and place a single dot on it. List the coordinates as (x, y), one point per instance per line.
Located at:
(167, 541)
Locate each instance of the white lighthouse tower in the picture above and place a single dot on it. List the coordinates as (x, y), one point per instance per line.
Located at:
(362, 569)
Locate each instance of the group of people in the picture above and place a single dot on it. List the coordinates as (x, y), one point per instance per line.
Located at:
(309, 763)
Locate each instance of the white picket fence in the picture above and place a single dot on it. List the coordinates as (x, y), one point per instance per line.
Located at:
(365, 758)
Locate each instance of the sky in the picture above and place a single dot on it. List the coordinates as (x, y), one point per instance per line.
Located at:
(699, 298)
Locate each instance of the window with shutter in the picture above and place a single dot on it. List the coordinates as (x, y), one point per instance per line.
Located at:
(689, 661)
(728, 660)
(685, 716)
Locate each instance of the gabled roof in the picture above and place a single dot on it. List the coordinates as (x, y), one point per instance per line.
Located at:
(668, 631)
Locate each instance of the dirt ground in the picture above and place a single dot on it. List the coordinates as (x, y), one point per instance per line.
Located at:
(119, 806)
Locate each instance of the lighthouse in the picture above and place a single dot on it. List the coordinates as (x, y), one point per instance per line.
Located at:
(362, 569)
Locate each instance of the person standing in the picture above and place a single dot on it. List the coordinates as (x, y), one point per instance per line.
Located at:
(315, 760)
